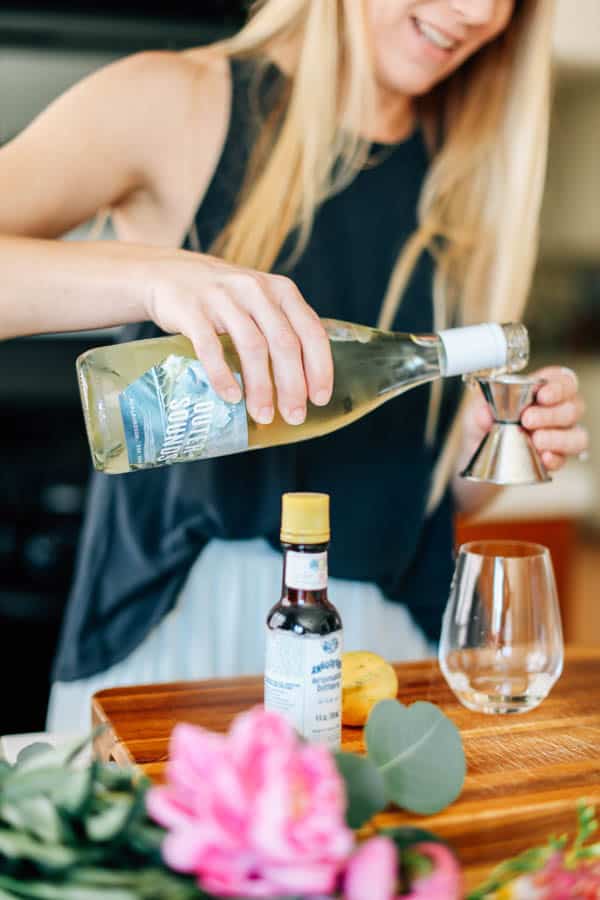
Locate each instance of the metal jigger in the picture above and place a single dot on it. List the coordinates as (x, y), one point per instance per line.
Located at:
(507, 455)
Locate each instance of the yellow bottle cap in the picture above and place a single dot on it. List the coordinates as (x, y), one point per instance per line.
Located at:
(305, 518)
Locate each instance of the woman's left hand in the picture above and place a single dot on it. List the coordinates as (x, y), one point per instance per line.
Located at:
(553, 419)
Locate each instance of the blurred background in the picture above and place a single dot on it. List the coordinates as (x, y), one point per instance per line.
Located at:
(44, 460)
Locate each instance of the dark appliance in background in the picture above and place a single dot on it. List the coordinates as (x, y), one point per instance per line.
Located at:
(44, 468)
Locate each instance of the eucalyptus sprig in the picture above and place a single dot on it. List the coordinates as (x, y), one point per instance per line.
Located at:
(415, 759)
(69, 833)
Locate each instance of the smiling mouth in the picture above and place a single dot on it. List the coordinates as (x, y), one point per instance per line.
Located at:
(434, 36)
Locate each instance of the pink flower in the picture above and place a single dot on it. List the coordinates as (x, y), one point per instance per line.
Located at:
(256, 812)
(444, 882)
(373, 871)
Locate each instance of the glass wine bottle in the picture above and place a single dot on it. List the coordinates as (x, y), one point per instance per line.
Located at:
(149, 403)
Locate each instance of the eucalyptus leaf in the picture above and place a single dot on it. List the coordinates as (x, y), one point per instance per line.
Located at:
(36, 815)
(74, 794)
(419, 753)
(112, 821)
(20, 846)
(407, 837)
(20, 785)
(116, 778)
(93, 875)
(146, 837)
(365, 789)
(31, 751)
(40, 890)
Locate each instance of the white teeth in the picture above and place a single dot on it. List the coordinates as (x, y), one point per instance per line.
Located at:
(435, 36)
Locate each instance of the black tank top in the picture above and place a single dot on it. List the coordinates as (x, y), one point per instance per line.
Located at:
(143, 531)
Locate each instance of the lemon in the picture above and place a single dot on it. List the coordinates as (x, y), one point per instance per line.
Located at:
(366, 679)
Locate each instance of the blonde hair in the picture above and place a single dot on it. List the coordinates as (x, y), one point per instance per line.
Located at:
(487, 129)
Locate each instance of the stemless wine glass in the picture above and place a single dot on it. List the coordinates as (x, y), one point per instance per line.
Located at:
(501, 648)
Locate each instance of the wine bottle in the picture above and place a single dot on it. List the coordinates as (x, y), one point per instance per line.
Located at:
(149, 403)
(304, 643)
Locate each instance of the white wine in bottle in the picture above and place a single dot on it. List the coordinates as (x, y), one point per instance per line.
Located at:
(149, 403)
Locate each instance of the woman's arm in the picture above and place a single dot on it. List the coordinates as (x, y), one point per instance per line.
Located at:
(106, 140)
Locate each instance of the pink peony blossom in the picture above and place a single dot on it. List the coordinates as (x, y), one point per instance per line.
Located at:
(256, 812)
(372, 871)
(444, 882)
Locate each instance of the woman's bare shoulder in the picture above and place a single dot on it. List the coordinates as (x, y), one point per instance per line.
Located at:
(187, 95)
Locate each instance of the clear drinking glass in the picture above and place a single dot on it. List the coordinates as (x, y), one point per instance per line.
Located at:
(501, 648)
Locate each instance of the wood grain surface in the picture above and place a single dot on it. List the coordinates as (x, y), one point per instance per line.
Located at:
(525, 773)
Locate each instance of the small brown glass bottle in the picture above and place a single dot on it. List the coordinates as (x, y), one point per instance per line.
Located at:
(303, 668)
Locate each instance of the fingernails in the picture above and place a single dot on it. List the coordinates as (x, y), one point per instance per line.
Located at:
(322, 398)
(295, 416)
(571, 374)
(547, 395)
(264, 416)
(529, 419)
(233, 395)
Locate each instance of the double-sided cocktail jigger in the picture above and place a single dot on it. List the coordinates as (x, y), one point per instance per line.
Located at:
(507, 455)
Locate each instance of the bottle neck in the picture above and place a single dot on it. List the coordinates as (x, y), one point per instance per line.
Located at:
(304, 575)
(407, 360)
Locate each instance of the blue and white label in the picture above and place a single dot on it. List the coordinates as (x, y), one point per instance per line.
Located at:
(171, 414)
(306, 571)
(303, 682)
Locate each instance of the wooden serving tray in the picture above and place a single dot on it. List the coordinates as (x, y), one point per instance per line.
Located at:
(525, 773)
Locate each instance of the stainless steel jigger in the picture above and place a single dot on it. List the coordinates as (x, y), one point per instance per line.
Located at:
(507, 455)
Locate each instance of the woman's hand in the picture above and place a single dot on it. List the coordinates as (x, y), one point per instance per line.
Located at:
(553, 419)
(268, 320)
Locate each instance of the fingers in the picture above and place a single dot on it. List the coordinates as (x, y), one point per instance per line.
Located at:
(253, 351)
(314, 343)
(563, 415)
(567, 442)
(210, 352)
(553, 461)
(553, 419)
(284, 349)
(562, 385)
(269, 323)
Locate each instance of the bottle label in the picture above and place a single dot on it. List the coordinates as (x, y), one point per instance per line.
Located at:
(172, 414)
(303, 682)
(306, 571)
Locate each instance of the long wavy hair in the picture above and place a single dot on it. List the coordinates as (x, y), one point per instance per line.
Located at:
(487, 130)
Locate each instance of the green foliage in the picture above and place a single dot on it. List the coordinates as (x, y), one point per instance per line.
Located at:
(365, 789)
(415, 759)
(70, 833)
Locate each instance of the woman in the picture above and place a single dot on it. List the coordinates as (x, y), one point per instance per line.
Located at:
(384, 161)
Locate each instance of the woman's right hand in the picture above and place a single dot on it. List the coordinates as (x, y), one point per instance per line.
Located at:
(267, 319)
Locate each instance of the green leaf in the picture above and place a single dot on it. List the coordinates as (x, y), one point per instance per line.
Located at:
(365, 789)
(20, 785)
(31, 752)
(406, 837)
(21, 846)
(112, 821)
(73, 795)
(36, 815)
(419, 753)
(40, 890)
(146, 837)
(116, 778)
(530, 861)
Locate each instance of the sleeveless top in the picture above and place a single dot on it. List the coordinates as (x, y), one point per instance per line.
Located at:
(142, 531)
